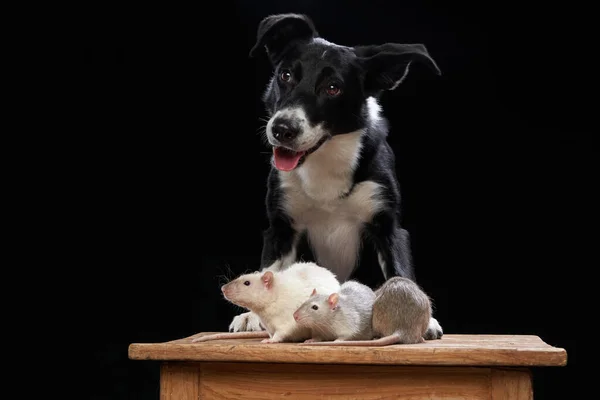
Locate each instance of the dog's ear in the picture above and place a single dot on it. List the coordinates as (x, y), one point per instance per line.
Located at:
(275, 32)
(387, 65)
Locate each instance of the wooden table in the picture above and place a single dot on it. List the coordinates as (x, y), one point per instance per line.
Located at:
(454, 367)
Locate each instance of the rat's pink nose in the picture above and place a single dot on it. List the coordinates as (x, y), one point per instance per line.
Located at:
(296, 316)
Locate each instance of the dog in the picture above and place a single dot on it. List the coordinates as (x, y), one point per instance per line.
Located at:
(332, 193)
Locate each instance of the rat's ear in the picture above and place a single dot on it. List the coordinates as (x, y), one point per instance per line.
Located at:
(333, 300)
(275, 32)
(387, 65)
(267, 279)
(314, 292)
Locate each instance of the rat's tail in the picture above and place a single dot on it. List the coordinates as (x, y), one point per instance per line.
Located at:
(384, 341)
(232, 335)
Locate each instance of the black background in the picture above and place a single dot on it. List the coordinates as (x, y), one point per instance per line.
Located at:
(493, 159)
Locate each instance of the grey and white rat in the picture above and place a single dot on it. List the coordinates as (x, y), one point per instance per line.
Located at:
(337, 316)
(274, 296)
(401, 315)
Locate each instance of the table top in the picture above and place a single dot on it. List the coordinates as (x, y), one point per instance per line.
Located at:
(456, 350)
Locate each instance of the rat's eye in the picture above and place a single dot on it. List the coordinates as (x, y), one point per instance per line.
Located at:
(247, 283)
(315, 307)
(285, 75)
(333, 90)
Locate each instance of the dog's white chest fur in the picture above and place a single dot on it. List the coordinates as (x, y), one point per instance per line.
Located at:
(316, 198)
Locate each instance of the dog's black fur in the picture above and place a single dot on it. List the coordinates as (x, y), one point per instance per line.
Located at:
(362, 71)
(331, 85)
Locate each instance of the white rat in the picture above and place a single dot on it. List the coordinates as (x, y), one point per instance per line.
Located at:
(401, 315)
(343, 315)
(274, 296)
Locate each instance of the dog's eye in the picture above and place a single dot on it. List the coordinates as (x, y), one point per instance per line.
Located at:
(247, 283)
(333, 90)
(285, 76)
(315, 307)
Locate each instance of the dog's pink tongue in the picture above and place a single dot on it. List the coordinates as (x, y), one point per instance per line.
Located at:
(286, 160)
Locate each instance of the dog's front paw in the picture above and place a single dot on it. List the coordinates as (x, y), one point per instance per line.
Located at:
(246, 322)
(434, 330)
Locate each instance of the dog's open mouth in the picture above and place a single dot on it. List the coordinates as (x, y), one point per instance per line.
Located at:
(287, 160)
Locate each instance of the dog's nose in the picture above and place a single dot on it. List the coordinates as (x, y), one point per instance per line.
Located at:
(284, 131)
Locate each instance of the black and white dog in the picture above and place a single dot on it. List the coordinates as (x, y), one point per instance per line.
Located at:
(333, 195)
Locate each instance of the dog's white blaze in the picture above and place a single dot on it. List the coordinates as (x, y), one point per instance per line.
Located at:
(314, 198)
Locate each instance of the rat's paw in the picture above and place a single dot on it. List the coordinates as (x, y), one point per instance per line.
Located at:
(312, 340)
(246, 322)
(434, 330)
(270, 341)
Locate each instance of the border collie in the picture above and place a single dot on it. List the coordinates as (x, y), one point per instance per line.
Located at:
(332, 193)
